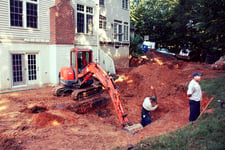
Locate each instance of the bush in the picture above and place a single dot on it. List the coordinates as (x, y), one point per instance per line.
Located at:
(135, 44)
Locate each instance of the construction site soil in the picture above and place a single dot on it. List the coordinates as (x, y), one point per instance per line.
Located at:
(35, 119)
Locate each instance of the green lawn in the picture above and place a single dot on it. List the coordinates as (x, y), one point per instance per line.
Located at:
(207, 133)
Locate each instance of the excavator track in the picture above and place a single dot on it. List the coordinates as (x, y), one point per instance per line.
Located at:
(58, 90)
(85, 93)
(88, 105)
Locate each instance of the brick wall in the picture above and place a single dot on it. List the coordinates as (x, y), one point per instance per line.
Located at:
(62, 25)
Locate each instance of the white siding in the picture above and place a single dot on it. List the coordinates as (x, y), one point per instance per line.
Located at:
(20, 34)
(52, 57)
(58, 57)
(113, 11)
(6, 50)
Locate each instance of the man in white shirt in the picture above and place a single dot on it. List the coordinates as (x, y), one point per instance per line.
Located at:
(146, 108)
(194, 94)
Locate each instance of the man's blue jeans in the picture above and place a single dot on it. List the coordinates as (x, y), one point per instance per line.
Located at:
(194, 110)
(145, 117)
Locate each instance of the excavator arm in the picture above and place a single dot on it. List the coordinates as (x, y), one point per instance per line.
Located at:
(109, 84)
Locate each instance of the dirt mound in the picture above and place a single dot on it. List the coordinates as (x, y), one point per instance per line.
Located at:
(155, 57)
(153, 80)
(219, 64)
(46, 119)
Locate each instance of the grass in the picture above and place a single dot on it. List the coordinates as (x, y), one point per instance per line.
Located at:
(207, 133)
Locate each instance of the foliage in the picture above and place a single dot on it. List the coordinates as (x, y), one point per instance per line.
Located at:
(135, 44)
(207, 132)
(198, 23)
(201, 23)
(149, 17)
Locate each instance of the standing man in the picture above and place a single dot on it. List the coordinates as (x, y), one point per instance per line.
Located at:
(194, 94)
(146, 108)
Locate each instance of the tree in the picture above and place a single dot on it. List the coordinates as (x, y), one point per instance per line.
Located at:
(150, 17)
(211, 20)
(201, 24)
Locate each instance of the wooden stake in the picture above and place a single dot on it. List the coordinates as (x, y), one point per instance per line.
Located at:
(206, 106)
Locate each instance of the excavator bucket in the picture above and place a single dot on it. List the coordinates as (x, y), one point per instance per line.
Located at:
(134, 128)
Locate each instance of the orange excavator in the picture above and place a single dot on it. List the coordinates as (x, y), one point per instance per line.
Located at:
(84, 78)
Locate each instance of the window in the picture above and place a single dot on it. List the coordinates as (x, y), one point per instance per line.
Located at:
(118, 31)
(24, 13)
(101, 2)
(126, 31)
(17, 63)
(89, 20)
(102, 22)
(84, 19)
(32, 71)
(125, 4)
(16, 13)
(80, 18)
(31, 15)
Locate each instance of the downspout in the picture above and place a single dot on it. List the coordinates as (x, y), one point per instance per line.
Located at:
(97, 32)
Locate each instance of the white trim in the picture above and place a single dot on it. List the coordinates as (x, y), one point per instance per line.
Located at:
(85, 13)
(125, 3)
(24, 17)
(125, 24)
(118, 33)
(27, 82)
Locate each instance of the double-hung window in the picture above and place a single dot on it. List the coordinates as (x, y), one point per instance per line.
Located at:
(125, 4)
(125, 29)
(102, 22)
(102, 2)
(84, 19)
(24, 13)
(118, 31)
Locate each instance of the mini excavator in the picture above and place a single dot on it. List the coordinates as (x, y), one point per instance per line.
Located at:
(84, 78)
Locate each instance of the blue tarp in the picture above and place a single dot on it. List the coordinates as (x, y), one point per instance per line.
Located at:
(144, 48)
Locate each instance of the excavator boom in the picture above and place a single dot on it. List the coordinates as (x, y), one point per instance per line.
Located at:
(109, 84)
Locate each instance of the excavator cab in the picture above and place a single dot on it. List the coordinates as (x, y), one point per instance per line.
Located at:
(69, 76)
(79, 59)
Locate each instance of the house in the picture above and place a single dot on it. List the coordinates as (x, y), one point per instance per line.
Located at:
(36, 37)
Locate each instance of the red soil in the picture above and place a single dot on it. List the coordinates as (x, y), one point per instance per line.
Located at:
(56, 127)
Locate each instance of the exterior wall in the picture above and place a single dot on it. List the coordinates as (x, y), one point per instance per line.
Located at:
(62, 24)
(24, 41)
(119, 55)
(41, 50)
(60, 57)
(112, 10)
(24, 35)
(51, 42)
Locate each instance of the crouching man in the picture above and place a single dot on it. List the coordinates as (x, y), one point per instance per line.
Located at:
(149, 104)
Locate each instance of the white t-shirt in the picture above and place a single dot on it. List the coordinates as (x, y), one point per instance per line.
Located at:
(148, 105)
(195, 90)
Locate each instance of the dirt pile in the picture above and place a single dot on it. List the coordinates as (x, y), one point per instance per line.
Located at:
(219, 64)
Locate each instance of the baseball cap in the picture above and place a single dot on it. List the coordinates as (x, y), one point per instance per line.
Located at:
(196, 74)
